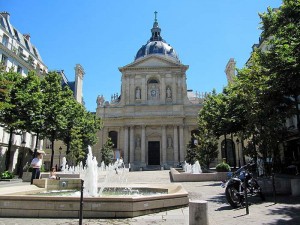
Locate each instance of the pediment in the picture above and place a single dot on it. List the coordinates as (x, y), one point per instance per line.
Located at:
(153, 61)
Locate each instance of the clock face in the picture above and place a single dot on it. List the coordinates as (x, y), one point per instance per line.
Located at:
(153, 93)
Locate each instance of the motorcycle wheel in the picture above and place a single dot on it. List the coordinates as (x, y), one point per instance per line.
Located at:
(233, 197)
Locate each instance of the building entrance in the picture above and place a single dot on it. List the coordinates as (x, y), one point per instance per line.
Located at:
(153, 153)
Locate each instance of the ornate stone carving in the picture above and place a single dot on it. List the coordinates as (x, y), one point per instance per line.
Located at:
(169, 93)
(100, 100)
(138, 93)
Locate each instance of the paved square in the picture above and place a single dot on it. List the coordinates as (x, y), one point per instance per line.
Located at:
(286, 211)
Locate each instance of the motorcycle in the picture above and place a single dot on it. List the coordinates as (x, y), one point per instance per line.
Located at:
(235, 186)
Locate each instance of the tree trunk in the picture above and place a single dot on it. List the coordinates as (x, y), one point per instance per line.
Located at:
(52, 154)
(297, 112)
(36, 145)
(225, 139)
(7, 159)
(242, 151)
(233, 151)
(68, 147)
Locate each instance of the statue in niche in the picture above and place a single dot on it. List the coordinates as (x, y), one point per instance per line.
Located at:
(169, 141)
(138, 93)
(100, 100)
(138, 142)
(169, 92)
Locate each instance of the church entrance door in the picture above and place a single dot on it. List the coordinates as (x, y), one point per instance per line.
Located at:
(153, 153)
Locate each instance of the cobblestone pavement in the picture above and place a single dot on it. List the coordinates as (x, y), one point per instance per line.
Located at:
(285, 211)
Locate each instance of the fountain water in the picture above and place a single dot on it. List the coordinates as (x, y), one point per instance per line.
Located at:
(194, 169)
(91, 175)
(161, 196)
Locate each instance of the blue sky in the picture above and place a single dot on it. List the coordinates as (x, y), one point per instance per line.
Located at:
(103, 35)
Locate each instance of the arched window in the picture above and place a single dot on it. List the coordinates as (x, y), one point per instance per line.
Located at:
(153, 81)
(114, 138)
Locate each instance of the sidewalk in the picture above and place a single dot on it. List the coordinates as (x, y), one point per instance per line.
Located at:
(286, 211)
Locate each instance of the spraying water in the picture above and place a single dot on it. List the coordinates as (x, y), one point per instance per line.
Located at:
(194, 169)
(91, 175)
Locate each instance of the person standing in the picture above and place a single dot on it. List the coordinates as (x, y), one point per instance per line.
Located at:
(36, 164)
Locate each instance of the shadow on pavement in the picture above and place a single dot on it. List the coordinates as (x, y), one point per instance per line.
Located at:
(291, 215)
(213, 184)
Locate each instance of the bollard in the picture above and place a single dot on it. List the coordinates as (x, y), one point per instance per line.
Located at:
(198, 212)
(295, 187)
(81, 203)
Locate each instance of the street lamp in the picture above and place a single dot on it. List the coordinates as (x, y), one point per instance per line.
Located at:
(60, 148)
(238, 146)
(195, 142)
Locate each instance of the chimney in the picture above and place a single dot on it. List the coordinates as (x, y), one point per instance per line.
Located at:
(27, 36)
(5, 15)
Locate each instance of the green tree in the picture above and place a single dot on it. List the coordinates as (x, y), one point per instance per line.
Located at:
(107, 152)
(85, 127)
(74, 113)
(54, 104)
(10, 113)
(90, 126)
(191, 154)
(4, 92)
(207, 146)
(281, 32)
(77, 153)
(30, 100)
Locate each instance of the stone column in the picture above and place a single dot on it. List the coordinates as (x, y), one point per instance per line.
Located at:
(127, 89)
(198, 212)
(175, 140)
(163, 90)
(164, 145)
(126, 145)
(144, 90)
(181, 144)
(132, 90)
(174, 88)
(143, 145)
(131, 144)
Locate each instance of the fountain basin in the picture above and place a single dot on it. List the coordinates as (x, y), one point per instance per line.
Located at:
(190, 177)
(20, 204)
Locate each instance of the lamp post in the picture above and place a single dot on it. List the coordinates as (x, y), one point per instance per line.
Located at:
(60, 148)
(195, 142)
(238, 146)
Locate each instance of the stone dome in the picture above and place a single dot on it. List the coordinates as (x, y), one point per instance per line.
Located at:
(157, 45)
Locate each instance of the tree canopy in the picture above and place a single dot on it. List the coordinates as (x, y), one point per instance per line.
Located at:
(46, 109)
(265, 92)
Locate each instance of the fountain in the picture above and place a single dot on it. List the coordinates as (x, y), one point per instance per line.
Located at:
(27, 203)
(91, 175)
(194, 169)
(194, 173)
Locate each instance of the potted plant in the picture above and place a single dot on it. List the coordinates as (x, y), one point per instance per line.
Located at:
(223, 167)
(27, 172)
(6, 175)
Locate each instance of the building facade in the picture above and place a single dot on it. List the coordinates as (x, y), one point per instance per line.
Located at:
(19, 54)
(153, 119)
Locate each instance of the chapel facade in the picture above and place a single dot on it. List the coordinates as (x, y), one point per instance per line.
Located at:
(154, 118)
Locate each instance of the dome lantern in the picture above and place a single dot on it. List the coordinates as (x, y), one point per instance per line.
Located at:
(157, 45)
